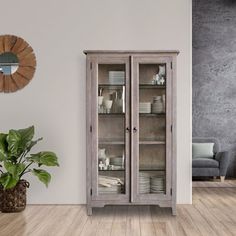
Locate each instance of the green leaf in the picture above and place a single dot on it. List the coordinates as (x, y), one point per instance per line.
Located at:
(19, 140)
(42, 175)
(14, 169)
(8, 181)
(33, 143)
(13, 140)
(44, 158)
(3, 147)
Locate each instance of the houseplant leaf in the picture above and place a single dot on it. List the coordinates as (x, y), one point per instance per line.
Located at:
(19, 140)
(42, 175)
(44, 158)
(14, 169)
(32, 143)
(3, 147)
(8, 181)
(13, 140)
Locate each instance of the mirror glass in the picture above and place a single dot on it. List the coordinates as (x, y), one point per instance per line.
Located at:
(9, 63)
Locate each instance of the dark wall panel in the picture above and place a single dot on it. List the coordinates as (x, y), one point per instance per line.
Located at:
(214, 73)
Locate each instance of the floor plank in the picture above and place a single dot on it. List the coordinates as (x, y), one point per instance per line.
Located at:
(211, 214)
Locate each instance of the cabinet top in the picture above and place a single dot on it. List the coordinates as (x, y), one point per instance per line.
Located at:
(131, 52)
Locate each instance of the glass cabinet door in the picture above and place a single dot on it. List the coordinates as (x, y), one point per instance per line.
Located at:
(111, 143)
(151, 123)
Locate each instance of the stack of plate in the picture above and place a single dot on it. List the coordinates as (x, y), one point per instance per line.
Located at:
(117, 161)
(144, 107)
(144, 183)
(114, 189)
(116, 77)
(157, 184)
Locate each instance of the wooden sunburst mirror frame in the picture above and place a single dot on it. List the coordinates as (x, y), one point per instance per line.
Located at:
(26, 66)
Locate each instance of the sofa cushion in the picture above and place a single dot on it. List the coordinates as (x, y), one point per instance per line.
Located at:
(202, 150)
(205, 163)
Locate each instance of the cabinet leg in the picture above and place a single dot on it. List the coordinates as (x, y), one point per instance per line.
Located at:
(89, 210)
(174, 211)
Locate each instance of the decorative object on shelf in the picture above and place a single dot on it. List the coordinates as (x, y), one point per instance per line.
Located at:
(100, 101)
(102, 153)
(14, 156)
(17, 63)
(107, 105)
(162, 70)
(155, 79)
(159, 78)
(101, 166)
(104, 161)
(110, 185)
(144, 107)
(117, 105)
(116, 77)
(161, 81)
(162, 74)
(157, 105)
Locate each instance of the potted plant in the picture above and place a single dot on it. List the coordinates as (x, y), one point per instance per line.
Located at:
(16, 161)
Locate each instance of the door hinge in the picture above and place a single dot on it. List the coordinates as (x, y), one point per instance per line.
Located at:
(91, 65)
(171, 128)
(91, 129)
(171, 65)
(171, 191)
(91, 192)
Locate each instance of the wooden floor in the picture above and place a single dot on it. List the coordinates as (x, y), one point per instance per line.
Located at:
(214, 184)
(213, 213)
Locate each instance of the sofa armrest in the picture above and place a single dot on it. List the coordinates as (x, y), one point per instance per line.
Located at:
(223, 158)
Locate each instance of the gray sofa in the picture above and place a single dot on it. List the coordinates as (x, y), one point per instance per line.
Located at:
(211, 167)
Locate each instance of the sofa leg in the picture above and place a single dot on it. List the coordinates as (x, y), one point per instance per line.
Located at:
(222, 178)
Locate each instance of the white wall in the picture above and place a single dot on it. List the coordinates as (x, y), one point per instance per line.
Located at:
(54, 101)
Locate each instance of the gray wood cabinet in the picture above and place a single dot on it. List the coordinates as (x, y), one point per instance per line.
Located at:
(131, 128)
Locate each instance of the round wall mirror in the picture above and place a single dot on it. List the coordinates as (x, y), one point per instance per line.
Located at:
(17, 63)
(9, 63)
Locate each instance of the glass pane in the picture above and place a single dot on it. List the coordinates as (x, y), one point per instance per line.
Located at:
(152, 128)
(111, 129)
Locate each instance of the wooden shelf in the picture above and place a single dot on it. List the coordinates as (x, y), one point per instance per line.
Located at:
(151, 86)
(139, 170)
(152, 114)
(142, 169)
(111, 86)
(111, 142)
(152, 142)
(120, 142)
(111, 114)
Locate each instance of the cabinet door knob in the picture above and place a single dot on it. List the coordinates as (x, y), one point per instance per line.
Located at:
(135, 130)
(127, 130)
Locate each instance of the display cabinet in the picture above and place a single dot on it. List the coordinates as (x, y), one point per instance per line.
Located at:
(131, 128)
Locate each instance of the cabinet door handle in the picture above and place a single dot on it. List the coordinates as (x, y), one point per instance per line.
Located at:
(135, 130)
(127, 130)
